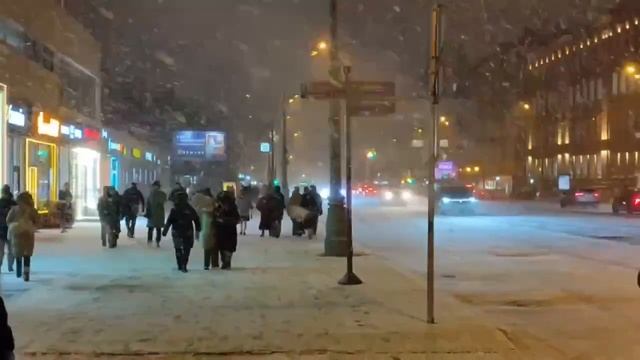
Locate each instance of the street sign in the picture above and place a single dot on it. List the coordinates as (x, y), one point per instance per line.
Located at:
(265, 147)
(373, 88)
(321, 90)
(371, 107)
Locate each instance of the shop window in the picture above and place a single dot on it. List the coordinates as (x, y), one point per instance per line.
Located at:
(42, 177)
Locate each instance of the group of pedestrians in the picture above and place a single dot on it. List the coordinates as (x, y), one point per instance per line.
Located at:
(303, 209)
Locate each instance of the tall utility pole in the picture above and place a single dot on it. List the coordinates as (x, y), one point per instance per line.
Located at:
(271, 168)
(349, 278)
(432, 143)
(335, 243)
(284, 152)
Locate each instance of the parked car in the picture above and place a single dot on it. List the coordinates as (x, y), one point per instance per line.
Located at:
(627, 200)
(580, 197)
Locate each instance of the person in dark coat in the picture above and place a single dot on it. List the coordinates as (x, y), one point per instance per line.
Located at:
(6, 202)
(65, 207)
(271, 207)
(109, 213)
(178, 188)
(318, 202)
(132, 199)
(310, 204)
(227, 219)
(7, 344)
(181, 221)
(266, 214)
(155, 212)
(295, 201)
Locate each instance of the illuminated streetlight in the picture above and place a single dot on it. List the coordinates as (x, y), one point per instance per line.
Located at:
(630, 69)
(322, 45)
(526, 106)
(314, 52)
(372, 154)
(443, 119)
(476, 168)
(291, 100)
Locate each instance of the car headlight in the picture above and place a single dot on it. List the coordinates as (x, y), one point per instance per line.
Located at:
(388, 195)
(407, 195)
(446, 200)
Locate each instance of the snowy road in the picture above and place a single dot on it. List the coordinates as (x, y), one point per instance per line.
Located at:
(566, 278)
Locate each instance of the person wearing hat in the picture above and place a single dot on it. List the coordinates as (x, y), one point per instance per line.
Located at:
(155, 212)
(131, 200)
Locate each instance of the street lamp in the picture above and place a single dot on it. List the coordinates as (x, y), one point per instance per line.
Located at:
(630, 69)
(322, 45)
(526, 106)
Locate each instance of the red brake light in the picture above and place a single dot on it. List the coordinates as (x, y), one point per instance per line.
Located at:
(596, 194)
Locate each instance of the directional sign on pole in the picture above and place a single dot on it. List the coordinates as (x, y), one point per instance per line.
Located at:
(371, 107)
(321, 90)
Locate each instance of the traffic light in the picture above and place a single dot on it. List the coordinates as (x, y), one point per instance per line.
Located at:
(372, 154)
(276, 182)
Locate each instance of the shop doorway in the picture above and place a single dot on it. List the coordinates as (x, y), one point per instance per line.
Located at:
(85, 182)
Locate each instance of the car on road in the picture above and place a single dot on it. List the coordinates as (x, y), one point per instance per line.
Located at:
(628, 200)
(586, 197)
(456, 198)
(390, 196)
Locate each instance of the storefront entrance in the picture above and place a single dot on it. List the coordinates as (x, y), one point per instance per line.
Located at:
(41, 173)
(85, 181)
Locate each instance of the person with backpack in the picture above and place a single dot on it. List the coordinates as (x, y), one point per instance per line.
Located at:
(182, 219)
(6, 203)
(132, 199)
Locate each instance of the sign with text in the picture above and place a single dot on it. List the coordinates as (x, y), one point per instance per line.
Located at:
(199, 146)
(265, 147)
(49, 127)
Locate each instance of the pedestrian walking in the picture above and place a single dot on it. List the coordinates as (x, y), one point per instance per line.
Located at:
(7, 344)
(6, 203)
(309, 202)
(266, 214)
(205, 205)
(178, 188)
(155, 212)
(245, 205)
(313, 190)
(65, 207)
(181, 221)
(132, 199)
(296, 212)
(227, 220)
(109, 214)
(22, 220)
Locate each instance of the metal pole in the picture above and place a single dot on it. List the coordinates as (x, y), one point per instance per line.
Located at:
(272, 169)
(335, 243)
(284, 151)
(433, 156)
(350, 278)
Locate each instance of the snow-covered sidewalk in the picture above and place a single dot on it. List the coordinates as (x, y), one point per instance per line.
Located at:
(280, 301)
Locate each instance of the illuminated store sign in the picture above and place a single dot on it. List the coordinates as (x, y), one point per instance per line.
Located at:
(148, 156)
(91, 134)
(17, 117)
(136, 153)
(116, 146)
(50, 128)
(71, 132)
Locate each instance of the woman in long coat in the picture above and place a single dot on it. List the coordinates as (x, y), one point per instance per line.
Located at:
(22, 220)
(227, 219)
(205, 205)
(155, 213)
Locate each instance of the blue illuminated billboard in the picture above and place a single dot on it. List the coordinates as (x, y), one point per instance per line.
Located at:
(199, 146)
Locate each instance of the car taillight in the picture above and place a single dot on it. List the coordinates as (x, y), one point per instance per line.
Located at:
(636, 200)
(596, 194)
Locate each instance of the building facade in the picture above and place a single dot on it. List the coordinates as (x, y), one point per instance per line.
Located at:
(584, 98)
